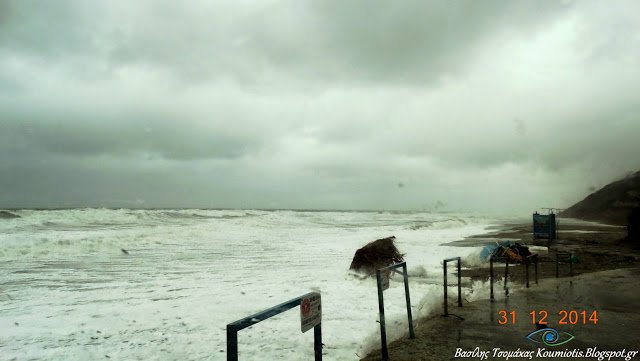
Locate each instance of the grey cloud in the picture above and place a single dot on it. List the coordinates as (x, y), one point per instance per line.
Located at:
(315, 104)
(612, 36)
(407, 42)
(281, 44)
(51, 30)
(171, 138)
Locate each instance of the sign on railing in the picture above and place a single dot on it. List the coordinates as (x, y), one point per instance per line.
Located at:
(310, 312)
(310, 317)
(383, 284)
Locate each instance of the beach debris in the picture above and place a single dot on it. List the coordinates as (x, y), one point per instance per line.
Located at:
(513, 251)
(377, 254)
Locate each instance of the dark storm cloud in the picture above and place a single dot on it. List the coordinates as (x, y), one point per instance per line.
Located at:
(409, 42)
(90, 138)
(334, 41)
(156, 132)
(327, 104)
(419, 41)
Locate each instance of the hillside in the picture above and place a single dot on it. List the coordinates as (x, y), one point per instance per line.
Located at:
(612, 204)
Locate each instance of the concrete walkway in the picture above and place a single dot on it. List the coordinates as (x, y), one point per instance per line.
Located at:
(474, 330)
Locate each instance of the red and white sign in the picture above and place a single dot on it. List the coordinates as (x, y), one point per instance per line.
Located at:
(310, 312)
(305, 307)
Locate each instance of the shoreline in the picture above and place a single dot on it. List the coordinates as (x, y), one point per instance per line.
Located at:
(606, 279)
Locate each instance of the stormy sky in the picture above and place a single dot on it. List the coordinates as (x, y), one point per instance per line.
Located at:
(385, 105)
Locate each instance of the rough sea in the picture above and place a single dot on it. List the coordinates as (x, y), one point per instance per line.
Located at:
(68, 291)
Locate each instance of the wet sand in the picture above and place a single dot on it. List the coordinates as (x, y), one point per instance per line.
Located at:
(606, 280)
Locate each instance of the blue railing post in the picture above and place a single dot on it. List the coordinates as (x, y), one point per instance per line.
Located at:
(527, 263)
(408, 298)
(317, 342)
(444, 267)
(232, 344)
(506, 277)
(559, 257)
(446, 303)
(537, 259)
(491, 276)
(506, 273)
(459, 285)
(383, 330)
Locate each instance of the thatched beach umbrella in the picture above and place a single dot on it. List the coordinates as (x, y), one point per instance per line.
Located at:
(377, 254)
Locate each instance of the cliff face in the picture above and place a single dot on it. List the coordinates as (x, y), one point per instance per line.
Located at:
(612, 204)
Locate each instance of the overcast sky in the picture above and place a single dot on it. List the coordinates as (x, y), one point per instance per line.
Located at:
(394, 105)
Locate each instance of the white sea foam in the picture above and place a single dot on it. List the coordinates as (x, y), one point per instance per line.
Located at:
(67, 291)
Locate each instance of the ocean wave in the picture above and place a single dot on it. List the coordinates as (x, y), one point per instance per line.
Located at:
(8, 215)
(438, 224)
(106, 231)
(52, 248)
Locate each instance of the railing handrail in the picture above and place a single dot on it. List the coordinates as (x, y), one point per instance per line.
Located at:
(234, 327)
(268, 313)
(393, 266)
(561, 254)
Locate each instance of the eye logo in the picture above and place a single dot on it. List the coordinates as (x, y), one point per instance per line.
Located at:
(550, 337)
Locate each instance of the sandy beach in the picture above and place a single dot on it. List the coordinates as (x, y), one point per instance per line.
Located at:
(606, 280)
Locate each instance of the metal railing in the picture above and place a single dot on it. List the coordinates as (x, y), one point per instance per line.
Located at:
(234, 327)
(527, 261)
(444, 267)
(383, 330)
(562, 257)
(506, 274)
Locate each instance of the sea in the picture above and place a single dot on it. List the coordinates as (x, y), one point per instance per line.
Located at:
(69, 291)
